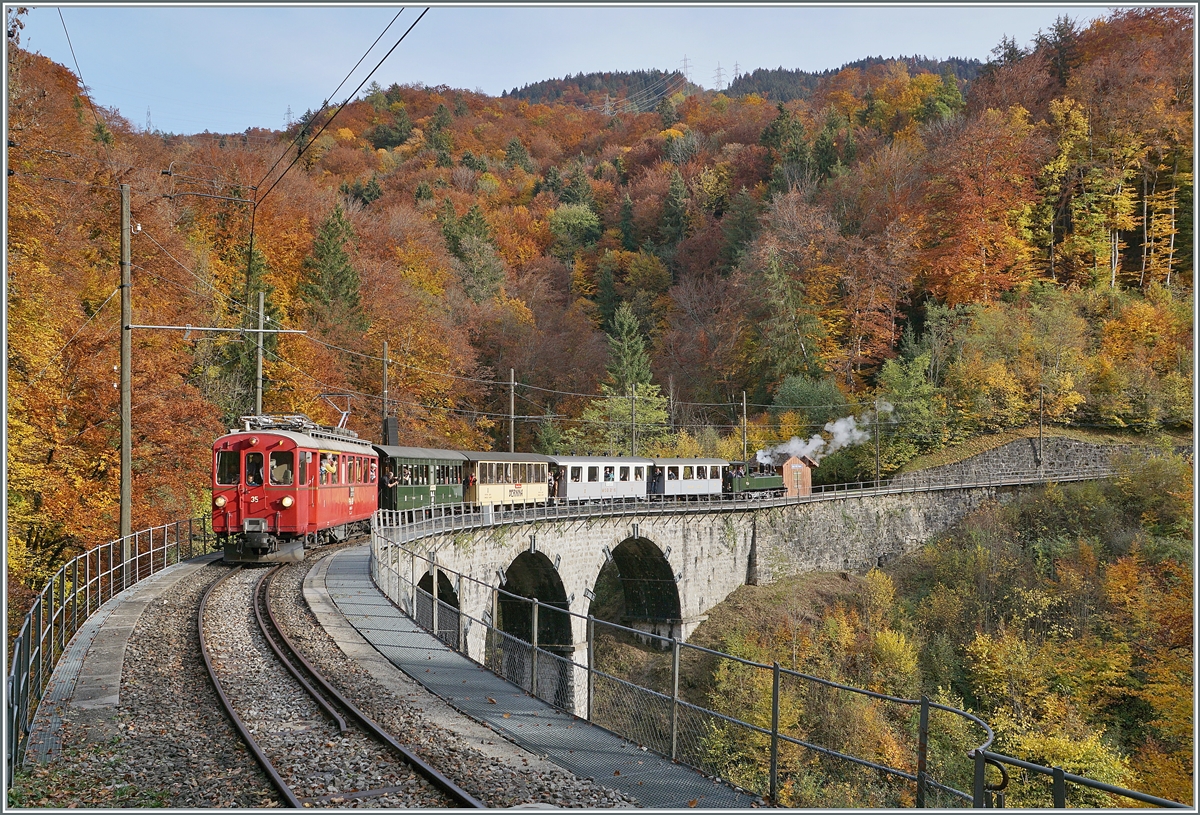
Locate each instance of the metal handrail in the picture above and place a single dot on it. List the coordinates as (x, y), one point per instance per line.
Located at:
(88, 580)
(1059, 776)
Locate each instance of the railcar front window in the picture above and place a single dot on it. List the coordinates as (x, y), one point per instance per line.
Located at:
(229, 469)
(254, 467)
(281, 468)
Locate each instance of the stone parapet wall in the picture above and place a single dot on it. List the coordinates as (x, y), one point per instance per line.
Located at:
(1059, 456)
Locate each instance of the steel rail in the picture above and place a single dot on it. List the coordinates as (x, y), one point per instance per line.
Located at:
(460, 796)
(261, 601)
(256, 751)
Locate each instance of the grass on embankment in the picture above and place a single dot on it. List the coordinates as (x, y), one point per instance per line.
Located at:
(982, 443)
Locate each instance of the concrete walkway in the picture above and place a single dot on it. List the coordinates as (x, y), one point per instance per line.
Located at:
(570, 742)
(86, 682)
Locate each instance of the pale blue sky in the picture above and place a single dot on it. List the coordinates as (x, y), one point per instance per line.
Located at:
(227, 68)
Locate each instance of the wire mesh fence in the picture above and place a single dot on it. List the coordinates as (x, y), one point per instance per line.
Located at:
(75, 592)
(784, 736)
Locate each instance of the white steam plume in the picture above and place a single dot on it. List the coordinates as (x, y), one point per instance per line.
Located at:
(844, 432)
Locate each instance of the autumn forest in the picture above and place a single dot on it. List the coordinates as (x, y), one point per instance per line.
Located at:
(974, 249)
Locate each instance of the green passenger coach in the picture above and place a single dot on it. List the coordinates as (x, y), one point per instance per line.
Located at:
(418, 478)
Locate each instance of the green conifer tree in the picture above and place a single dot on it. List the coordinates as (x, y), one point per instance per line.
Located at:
(330, 286)
(628, 236)
(673, 227)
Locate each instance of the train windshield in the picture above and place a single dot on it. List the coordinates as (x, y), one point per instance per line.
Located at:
(281, 467)
(229, 469)
(254, 469)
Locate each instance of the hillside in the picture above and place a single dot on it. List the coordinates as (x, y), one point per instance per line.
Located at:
(938, 265)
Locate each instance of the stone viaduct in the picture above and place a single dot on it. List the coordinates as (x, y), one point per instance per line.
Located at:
(676, 561)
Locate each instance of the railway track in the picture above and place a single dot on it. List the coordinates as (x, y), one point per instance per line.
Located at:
(294, 722)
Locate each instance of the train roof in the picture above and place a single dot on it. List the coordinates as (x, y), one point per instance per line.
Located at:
(426, 453)
(474, 456)
(600, 460)
(343, 445)
(706, 461)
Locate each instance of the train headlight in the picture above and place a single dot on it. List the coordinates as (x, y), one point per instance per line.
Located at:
(219, 501)
(287, 501)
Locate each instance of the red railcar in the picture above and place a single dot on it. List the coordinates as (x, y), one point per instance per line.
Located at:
(283, 482)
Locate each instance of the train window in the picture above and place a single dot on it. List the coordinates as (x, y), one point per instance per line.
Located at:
(374, 468)
(593, 474)
(639, 474)
(508, 477)
(576, 473)
(323, 469)
(304, 457)
(281, 467)
(687, 473)
(624, 473)
(335, 469)
(254, 469)
(702, 473)
(542, 474)
(358, 470)
(672, 473)
(229, 469)
(608, 473)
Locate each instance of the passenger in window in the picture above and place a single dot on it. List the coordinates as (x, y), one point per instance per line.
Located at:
(672, 473)
(389, 479)
(608, 473)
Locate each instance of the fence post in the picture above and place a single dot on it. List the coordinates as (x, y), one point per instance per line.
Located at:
(533, 658)
(434, 594)
(922, 751)
(674, 698)
(979, 793)
(75, 596)
(591, 660)
(462, 617)
(1060, 788)
(62, 607)
(39, 643)
(775, 734)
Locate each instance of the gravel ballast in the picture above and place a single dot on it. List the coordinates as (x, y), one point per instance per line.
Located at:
(169, 743)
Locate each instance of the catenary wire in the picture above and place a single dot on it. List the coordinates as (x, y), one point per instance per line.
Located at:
(333, 95)
(333, 116)
(58, 353)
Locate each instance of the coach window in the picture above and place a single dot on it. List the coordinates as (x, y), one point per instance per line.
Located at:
(281, 468)
(335, 469)
(576, 474)
(229, 470)
(254, 467)
(702, 473)
(639, 474)
(624, 473)
(687, 473)
(593, 474)
(672, 473)
(358, 470)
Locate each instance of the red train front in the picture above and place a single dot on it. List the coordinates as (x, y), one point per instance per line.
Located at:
(283, 482)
